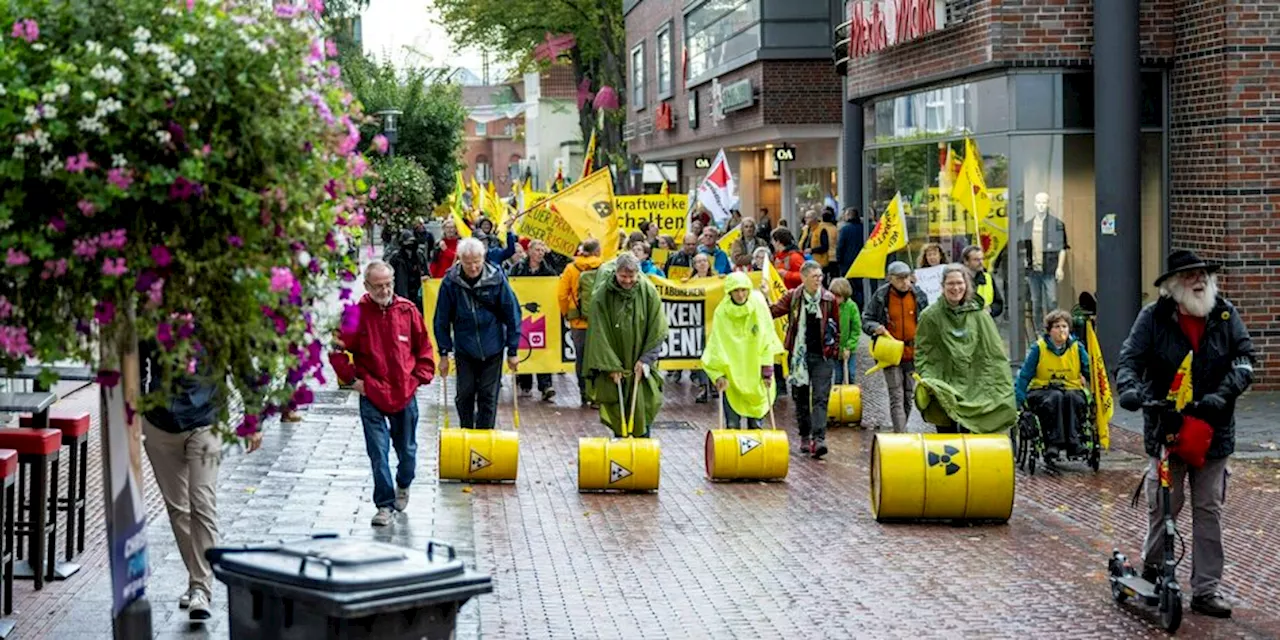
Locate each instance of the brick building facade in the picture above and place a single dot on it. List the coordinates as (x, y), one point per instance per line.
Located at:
(1208, 127)
(492, 146)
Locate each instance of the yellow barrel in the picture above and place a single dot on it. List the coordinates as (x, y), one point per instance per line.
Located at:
(751, 454)
(845, 404)
(941, 477)
(618, 464)
(479, 454)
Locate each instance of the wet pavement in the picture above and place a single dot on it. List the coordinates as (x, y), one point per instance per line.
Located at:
(797, 559)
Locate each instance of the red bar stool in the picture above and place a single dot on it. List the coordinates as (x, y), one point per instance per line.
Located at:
(37, 449)
(8, 478)
(75, 436)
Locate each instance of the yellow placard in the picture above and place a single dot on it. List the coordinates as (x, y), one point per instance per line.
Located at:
(668, 212)
(544, 344)
(660, 256)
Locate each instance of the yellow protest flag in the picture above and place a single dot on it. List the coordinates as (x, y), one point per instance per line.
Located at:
(726, 241)
(583, 210)
(1180, 392)
(588, 160)
(463, 230)
(1104, 404)
(970, 189)
(665, 189)
(889, 235)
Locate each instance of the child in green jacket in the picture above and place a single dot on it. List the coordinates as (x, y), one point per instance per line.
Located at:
(850, 330)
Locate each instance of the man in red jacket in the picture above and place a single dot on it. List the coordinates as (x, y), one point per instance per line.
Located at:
(391, 358)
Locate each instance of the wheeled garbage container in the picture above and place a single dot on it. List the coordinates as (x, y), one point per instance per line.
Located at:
(339, 589)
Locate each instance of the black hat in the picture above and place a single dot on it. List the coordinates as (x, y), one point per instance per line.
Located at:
(1180, 261)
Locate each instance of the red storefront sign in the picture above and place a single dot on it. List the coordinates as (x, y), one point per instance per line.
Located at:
(662, 118)
(888, 22)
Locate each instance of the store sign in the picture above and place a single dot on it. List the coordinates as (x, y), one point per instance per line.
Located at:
(663, 120)
(693, 109)
(727, 98)
(702, 162)
(784, 154)
(877, 24)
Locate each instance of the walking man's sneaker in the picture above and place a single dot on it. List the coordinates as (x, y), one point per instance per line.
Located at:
(184, 600)
(1213, 605)
(199, 607)
(819, 448)
(402, 498)
(548, 395)
(383, 517)
(804, 446)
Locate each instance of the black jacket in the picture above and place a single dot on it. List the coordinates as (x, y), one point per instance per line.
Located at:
(193, 400)
(521, 269)
(1155, 349)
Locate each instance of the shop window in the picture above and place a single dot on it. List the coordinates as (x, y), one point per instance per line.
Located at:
(813, 188)
(637, 77)
(662, 59)
(975, 108)
(717, 33)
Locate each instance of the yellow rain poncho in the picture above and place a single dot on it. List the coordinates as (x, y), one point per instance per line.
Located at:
(742, 341)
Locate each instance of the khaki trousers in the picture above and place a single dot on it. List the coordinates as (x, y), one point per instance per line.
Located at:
(186, 469)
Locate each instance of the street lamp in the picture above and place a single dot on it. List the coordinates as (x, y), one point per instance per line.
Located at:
(389, 128)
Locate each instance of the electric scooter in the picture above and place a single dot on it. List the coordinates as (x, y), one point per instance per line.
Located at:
(1164, 593)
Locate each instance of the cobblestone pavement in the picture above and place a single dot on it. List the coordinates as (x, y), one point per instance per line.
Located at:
(800, 559)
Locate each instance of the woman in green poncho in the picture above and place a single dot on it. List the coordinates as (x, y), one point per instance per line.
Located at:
(740, 352)
(624, 337)
(965, 379)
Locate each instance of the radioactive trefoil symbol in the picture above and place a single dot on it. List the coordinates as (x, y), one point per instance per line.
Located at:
(617, 472)
(945, 458)
(478, 461)
(746, 445)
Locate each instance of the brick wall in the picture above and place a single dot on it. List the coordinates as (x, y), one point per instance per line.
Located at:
(497, 147)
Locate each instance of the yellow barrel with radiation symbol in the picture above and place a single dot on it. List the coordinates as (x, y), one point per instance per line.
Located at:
(478, 455)
(750, 454)
(916, 476)
(844, 405)
(620, 464)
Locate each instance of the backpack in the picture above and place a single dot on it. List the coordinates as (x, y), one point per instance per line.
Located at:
(586, 284)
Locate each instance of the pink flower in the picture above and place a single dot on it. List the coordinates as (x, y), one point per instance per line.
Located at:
(191, 5)
(164, 334)
(248, 426)
(6, 308)
(114, 239)
(281, 280)
(120, 178)
(316, 56)
(350, 318)
(108, 377)
(14, 341)
(114, 267)
(104, 312)
(184, 189)
(359, 167)
(317, 6)
(87, 208)
(161, 256)
(155, 293)
(86, 249)
(57, 224)
(373, 192)
(80, 162)
(381, 143)
(287, 11)
(26, 29)
(54, 269)
(235, 241)
(334, 71)
(331, 50)
(16, 258)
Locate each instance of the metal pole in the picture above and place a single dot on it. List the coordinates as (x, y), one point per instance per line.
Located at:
(851, 181)
(1117, 164)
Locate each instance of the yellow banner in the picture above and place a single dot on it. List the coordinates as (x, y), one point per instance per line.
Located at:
(948, 218)
(659, 257)
(668, 212)
(889, 235)
(970, 190)
(1101, 386)
(545, 346)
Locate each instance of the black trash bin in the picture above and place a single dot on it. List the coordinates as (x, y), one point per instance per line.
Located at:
(339, 589)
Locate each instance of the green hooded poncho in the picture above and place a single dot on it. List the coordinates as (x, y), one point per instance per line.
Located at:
(743, 339)
(963, 368)
(625, 325)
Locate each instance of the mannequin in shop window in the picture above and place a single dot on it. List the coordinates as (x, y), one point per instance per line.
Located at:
(1044, 246)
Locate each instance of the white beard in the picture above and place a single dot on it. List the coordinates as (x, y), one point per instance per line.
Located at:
(1192, 303)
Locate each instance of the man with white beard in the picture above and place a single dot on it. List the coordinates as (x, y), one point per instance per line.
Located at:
(1189, 316)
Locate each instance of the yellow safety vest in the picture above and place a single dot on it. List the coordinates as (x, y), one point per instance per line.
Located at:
(1058, 369)
(813, 239)
(987, 291)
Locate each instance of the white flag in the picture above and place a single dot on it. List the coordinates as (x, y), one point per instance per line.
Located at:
(716, 192)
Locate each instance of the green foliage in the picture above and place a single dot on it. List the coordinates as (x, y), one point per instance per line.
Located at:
(514, 29)
(403, 193)
(190, 174)
(430, 127)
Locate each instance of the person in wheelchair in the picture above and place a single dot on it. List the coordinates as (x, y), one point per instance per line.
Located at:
(1052, 384)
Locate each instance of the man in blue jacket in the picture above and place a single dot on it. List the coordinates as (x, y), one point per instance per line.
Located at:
(477, 318)
(849, 241)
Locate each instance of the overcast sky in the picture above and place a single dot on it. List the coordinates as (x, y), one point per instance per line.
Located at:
(393, 27)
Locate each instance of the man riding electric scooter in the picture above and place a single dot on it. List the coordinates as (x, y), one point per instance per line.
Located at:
(1189, 332)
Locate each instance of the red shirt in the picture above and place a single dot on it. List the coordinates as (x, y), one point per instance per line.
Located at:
(1193, 327)
(444, 258)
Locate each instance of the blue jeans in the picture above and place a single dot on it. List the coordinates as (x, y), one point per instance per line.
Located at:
(837, 376)
(378, 439)
(1044, 294)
